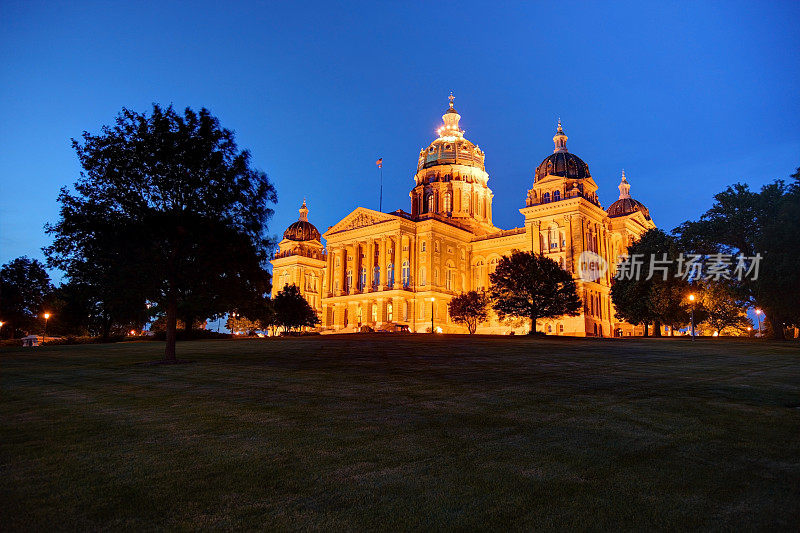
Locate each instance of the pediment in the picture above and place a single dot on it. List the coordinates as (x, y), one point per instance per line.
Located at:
(361, 217)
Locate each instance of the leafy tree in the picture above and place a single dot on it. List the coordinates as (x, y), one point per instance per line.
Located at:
(532, 286)
(723, 308)
(171, 210)
(24, 285)
(469, 308)
(292, 311)
(767, 222)
(237, 323)
(660, 299)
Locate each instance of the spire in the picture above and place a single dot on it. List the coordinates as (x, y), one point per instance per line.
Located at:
(304, 211)
(451, 118)
(560, 139)
(624, 187)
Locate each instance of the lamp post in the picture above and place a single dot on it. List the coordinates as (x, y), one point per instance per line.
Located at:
(691, 299)
(1, 327)
(758, 314)
(432, 330)
(46, 318)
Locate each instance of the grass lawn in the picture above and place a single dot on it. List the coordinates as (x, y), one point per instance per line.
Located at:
(403, 432)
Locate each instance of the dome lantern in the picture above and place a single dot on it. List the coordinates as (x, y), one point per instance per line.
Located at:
(624, 187)
(304, 211)
(560, 139)
(450, 119)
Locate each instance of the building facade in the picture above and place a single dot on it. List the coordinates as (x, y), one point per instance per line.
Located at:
(403, 267)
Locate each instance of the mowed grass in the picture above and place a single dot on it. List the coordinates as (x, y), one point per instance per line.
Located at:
(403, 432)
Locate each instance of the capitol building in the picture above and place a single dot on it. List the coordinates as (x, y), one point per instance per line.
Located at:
(402, 268)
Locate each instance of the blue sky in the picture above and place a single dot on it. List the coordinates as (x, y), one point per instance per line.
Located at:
(686, 97)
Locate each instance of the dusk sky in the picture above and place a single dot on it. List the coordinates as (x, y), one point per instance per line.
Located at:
(686, 97)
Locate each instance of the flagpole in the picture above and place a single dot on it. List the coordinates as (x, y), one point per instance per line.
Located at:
(380, 198)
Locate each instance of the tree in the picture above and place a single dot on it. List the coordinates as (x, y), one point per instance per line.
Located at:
(24, 285)
(469, 308)
(170, 208)
(767, 222)
(530, 285)
(292, 310)
(660, 299)
(723, 309)
(237, 323)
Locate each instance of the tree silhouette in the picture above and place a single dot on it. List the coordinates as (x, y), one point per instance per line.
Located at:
(171, 210)
(469, 308)
(532, 286)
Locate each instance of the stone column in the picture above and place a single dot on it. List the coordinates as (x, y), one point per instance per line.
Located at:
(349, 264)
(398, 261)
(370, 265)
(382, 258)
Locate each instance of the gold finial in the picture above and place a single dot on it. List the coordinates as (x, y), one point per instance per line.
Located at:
(559, 126)
(451, 98)
(623, 175)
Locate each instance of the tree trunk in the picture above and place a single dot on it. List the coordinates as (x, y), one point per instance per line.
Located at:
(187, 326)
(656, 329)
(647, 329)
(533, 326)
(172, 323)
(106, 329)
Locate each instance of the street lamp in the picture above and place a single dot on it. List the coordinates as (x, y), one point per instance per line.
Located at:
(691, 299)
(432, 330)
(46, 317)
(758, 314)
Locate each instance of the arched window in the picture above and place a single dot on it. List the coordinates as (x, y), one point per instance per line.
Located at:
(436, 276)
(422, 277)
(448, 202)
(546, 197)
(431, 203)
(390, 275)
(374, 312)
(556, 196)
(405, 310)
(360, 316)
(349, 280)
(554, 237)
(449, 278)
(493, 265)
(376, 277)
(406, 274)
(478, 271)
(362, 279)
(389, 312)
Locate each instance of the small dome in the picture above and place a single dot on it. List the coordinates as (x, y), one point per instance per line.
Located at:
(564, 164)
(302, 230)
(627, 206)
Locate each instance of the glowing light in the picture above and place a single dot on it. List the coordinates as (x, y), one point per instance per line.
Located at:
(1, 324)
(438, 329)
(691, 297)
(46, 316)
(758, 311)
(133, 332)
